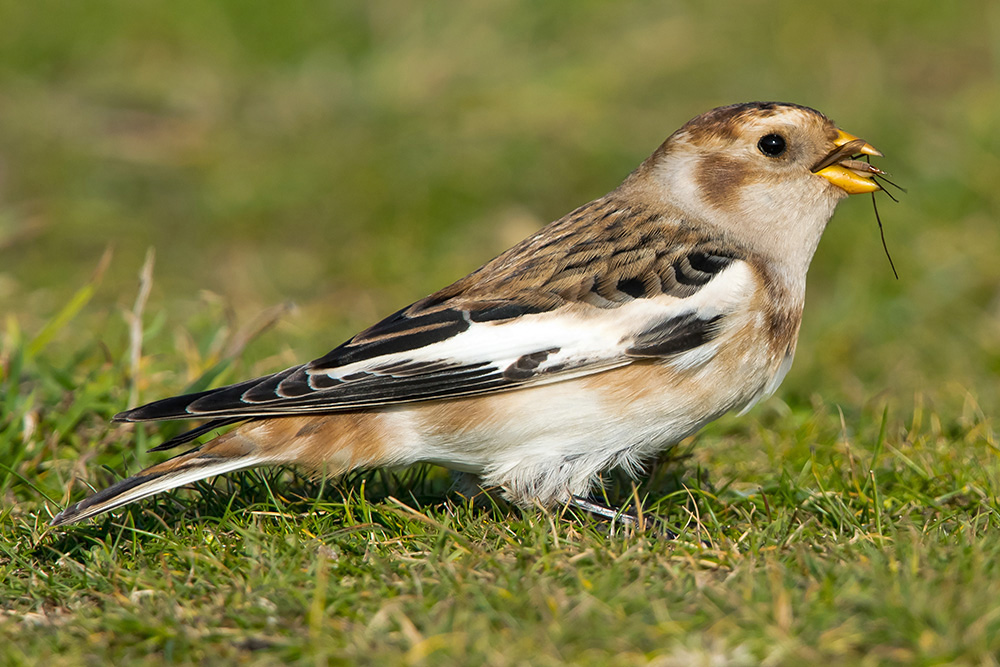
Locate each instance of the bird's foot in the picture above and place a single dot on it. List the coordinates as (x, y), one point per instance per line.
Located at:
(625, 518)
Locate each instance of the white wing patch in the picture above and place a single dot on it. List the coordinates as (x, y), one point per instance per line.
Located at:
(580, 339)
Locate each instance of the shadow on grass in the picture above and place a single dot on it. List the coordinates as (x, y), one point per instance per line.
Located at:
(286, 495)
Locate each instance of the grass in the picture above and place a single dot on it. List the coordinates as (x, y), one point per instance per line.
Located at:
(301, 170)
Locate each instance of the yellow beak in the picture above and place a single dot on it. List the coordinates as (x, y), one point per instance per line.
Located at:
(852, 176)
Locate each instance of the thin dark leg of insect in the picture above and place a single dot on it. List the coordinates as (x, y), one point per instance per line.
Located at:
(880, 178)
(612, 515)
(881, 231)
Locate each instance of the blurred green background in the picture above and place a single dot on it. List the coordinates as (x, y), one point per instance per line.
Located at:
(354, 156)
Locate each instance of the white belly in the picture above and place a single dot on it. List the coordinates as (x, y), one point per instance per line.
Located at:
(552, 441)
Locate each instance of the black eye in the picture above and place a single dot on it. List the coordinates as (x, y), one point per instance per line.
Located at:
(772, 144)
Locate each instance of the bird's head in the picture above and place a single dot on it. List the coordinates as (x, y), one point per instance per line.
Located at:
(766, 174)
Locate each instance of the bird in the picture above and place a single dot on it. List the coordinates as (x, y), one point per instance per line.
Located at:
(599, 341)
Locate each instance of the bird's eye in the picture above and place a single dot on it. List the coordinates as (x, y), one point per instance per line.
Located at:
(772, 145)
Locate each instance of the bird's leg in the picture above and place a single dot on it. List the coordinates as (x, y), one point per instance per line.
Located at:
(605, 512)
(612, 515)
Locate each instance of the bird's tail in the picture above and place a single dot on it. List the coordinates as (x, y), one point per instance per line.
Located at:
(227, 453)
(329, 444)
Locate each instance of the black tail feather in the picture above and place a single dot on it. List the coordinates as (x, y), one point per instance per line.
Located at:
(195, 433)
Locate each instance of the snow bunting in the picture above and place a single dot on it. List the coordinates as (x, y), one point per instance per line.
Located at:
(599, 341)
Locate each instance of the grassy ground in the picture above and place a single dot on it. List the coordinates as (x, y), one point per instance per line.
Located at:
(301, 169)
